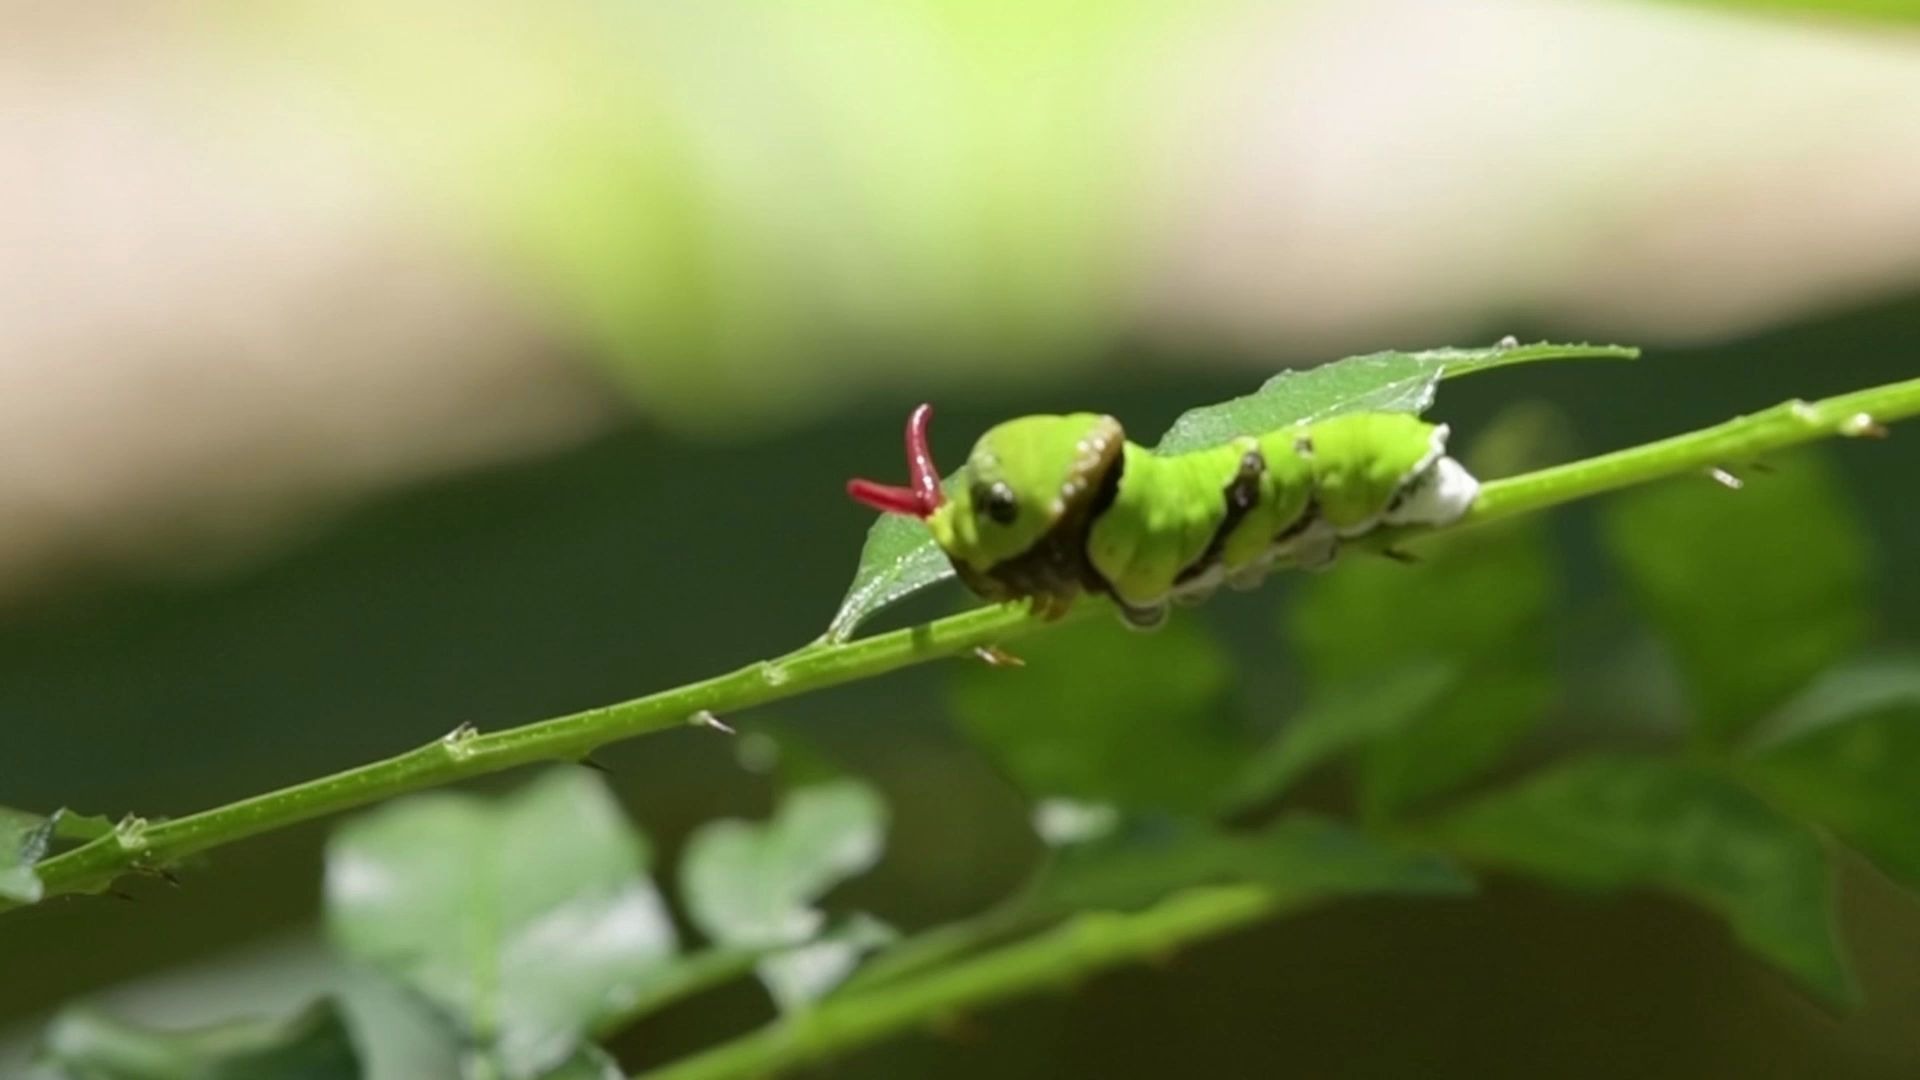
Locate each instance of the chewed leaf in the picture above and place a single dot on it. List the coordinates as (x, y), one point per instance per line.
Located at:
(314, 1045)
(68, 825)
(1616, 823)
(1378, 382)
(900, 559)
(23, 841)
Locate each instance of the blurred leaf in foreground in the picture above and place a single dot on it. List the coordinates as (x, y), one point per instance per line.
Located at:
(1615, 823)
(754, 886)
(314, 1045)
(526, 920)
(23, 842)
(1101, 714)
(1756, 591)
(1846, 753)
(1350, 717)
(591, 1063)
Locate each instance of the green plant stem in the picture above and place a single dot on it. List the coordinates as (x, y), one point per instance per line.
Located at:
(1083, 945)
(1732, 445)
(136, 845)
(465, 753)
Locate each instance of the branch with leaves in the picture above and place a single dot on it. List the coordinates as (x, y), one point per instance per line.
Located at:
(135, 844)
(1122, 888)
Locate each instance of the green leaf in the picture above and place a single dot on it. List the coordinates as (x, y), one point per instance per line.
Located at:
(1842, 694)
(314, 1045)
(1477, 607)
(900, 559)
(1377, 382)
(526, 920)
(754, 886)
(1846, 753)
(1103, 714)
(1353, 716)
(691, 974)
(797, 977)
(1299, 857)
(80, 828)
(1065, 822)
(1612, 823)
(24, 838)
(1755, 591)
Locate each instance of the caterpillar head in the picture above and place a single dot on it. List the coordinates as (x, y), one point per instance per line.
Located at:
(1027, 483)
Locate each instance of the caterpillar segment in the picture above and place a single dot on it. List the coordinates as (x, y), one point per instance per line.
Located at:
(1050, 507)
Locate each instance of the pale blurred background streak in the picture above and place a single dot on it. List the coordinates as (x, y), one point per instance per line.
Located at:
(259, 260)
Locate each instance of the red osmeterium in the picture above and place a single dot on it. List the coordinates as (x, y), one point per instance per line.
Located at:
(924, 497)
(886, 498)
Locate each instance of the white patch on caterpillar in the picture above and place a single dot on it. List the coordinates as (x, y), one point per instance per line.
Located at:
(1437, 491)
(1089, 453)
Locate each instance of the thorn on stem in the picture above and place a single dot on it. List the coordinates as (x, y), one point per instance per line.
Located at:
(1861, 425)
(1508, 342)
(1725, 479)
(995, 656)
(706, 719)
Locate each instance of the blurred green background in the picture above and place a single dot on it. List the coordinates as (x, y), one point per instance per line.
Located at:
(375, 369)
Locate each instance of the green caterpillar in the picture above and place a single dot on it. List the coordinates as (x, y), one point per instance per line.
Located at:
(1054, 506)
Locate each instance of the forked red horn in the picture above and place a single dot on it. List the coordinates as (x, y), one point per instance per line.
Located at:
(919, 500)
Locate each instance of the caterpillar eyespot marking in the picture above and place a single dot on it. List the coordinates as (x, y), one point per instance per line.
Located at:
(1061, 505)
